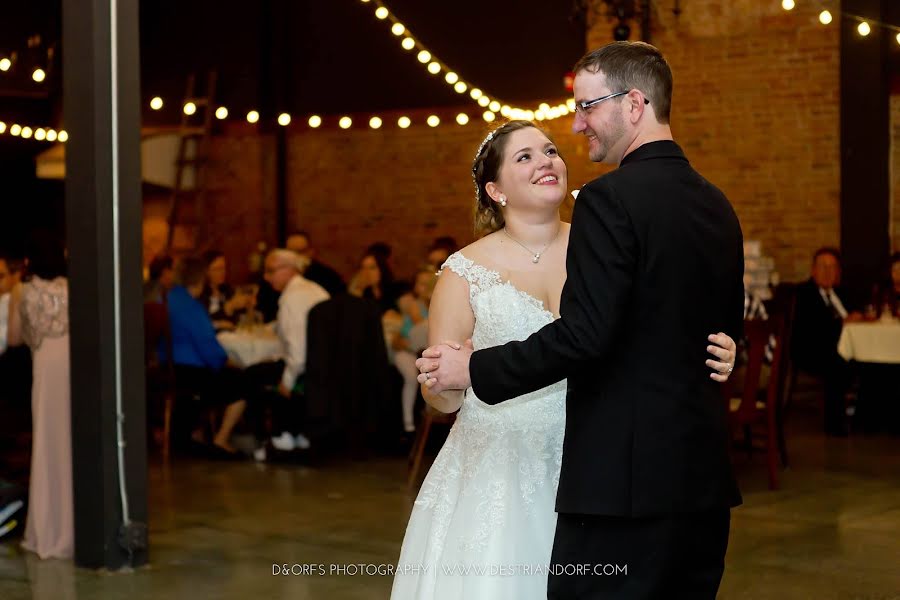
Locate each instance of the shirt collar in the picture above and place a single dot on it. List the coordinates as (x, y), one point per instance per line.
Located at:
(657, 149)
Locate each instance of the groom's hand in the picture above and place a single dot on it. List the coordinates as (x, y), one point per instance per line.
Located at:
(445, 367)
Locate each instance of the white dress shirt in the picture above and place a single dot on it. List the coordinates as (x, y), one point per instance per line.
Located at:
(298, 297)
(831, 299)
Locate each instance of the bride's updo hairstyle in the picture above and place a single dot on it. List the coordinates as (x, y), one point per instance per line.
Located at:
(486, 168)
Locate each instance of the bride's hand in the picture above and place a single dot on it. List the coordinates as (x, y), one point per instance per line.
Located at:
(725, 351)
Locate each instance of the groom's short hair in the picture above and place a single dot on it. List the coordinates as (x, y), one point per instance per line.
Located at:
(633, 65)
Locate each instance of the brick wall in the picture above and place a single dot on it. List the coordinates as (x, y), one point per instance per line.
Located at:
(755, 107)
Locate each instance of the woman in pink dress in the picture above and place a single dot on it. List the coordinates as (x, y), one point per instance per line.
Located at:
(39, 317)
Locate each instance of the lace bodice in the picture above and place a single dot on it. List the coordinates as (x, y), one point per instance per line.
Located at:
(502, 461)
(44, 310)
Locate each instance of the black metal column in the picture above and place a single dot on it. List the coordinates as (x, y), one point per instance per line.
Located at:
(865, 143)
(103, 209)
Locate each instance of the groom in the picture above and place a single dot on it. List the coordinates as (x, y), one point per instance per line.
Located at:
(655, 260)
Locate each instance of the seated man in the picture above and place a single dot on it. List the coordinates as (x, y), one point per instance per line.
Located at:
(284, 271)
(821, 312)
(199, 359)
(318, 272)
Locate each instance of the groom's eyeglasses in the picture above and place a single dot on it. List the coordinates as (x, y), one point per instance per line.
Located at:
(582, 107)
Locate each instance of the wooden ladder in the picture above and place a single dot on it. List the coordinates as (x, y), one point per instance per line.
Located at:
(189, 132)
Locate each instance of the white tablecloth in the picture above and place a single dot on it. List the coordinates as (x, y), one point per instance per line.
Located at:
(248, 348)
(877, 342)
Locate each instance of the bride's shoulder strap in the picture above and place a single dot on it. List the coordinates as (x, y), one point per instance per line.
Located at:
(477, 275)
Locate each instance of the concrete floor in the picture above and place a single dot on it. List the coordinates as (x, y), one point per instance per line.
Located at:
(217, 529)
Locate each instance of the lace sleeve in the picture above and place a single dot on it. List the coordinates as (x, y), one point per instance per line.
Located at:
(44, 310)
(479, 277)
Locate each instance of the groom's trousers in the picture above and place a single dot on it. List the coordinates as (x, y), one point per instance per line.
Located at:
(668, 557)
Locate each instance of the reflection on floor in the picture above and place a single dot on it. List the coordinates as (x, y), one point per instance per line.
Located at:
(218, 530)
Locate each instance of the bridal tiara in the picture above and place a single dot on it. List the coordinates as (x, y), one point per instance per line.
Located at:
(487, 140)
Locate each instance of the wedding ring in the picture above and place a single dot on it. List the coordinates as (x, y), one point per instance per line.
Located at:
(730, 369)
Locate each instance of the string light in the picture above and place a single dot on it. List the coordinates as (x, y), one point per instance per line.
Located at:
(462, 118)
(488, 116)
(51, 135)
(5, 64)
(2, 127)
(345, 122)
(26, 132)
(284, 119)
(315, 121)
(156, 103)
(375, 122)
(16, 129)
(63, 136)
(221, 113)
(825, 17)
(190, 108)
(38, 75)
(39, 134)
(787, 4)
(864, 26)
(252, 116)
(403, 122)
(864, 29)
(433, 121)
(432, 63)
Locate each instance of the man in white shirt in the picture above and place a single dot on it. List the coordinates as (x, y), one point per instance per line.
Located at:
(284, 272)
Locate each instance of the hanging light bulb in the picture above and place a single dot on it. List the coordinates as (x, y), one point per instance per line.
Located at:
(26, 132)
(460, 87)
(898, 38)
(284, 119)
(40, 135)
(156, 103)
(787, 4)
(864, 29)
(345, 122)
(63, 136)
(475, 93)
(398, 29)
(252, 116)
(484, 101)
(403, 122)
(221, 113)
(433, 121)
(825, 17)
(424, 56)
(375, 122)
(462, 118)
(381, 12)
(51, 135)
(434, 68)
(315, 121)
(494, 106)
(38, 75)
(451, 77)
(408, 43)
(190, 108)
(15, 130)
(488, 116)
(505, 110)
(5, 64)
(2, 127)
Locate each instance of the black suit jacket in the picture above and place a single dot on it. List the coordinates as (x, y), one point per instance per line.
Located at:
(655, 264)
(817, 329)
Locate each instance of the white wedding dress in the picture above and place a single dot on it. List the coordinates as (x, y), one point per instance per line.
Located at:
(482, 526)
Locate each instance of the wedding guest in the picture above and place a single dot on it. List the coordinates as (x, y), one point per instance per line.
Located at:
(199, 359)
(318, 272)
(440, 251)
(39, 317)
(375, 280)
(821, 312)
(222, 303)
(414, 308)
(161, 278)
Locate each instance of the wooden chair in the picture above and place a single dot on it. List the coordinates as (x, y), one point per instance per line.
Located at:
(160, 373)
(754, 407)
(430, 417)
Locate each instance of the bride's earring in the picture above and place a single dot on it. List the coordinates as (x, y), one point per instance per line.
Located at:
(503, 201)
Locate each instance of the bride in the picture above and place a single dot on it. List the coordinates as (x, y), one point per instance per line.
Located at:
(482, 526)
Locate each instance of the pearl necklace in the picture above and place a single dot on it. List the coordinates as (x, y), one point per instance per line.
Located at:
(535, 256)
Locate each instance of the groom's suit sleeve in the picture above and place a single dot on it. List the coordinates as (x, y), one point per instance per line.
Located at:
(600, 265)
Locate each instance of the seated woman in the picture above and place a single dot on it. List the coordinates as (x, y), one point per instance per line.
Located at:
(414, 309)
(200, 361)
(222, 302)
